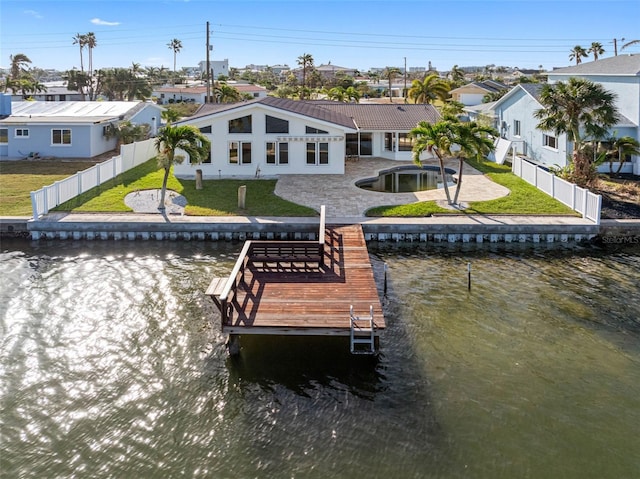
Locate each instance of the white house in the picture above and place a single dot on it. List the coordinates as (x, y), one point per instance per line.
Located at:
(198, 93)
(273, 136)
(67, 129)
(514, 111)
(473, 93)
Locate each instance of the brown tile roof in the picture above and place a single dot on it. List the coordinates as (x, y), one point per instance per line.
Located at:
(367, 117)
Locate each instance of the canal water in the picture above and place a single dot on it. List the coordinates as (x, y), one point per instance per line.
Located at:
(112, 365)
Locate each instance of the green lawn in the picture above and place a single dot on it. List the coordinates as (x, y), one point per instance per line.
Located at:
(220, 197)
(19, 178)
(524, 199)
(217, 198)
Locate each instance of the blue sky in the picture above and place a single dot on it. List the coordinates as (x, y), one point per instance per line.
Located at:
(349, 33)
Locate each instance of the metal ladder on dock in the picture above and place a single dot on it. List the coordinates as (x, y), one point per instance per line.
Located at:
(362, 337)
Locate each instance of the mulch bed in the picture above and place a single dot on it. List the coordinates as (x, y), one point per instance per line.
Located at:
(618, 206)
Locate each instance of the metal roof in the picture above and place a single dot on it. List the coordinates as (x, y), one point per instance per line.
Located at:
(71, 111)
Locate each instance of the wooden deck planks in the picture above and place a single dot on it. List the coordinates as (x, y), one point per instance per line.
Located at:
(301, 300)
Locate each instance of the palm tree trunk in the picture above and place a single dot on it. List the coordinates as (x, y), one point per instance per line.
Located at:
(459, 184)
(444, 177)
(161, 206)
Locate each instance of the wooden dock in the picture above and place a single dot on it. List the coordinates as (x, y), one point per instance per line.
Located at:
(302, 288)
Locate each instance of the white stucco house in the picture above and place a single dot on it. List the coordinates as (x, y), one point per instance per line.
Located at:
(274, 136)
(514, 112)
(67, 129)
(198, 93)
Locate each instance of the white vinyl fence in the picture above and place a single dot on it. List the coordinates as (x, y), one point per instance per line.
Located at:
(579, 199)
(53, 195)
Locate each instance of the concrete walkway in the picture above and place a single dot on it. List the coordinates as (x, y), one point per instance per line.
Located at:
(342, 197)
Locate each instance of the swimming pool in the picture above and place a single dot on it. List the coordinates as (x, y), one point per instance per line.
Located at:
(406, 179)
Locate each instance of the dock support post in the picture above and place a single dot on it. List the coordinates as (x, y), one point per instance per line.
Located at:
(233, 344)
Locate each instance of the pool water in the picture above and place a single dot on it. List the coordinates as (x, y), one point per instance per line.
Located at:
(407, 179)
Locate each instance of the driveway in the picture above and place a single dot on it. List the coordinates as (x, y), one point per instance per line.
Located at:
(342, 197)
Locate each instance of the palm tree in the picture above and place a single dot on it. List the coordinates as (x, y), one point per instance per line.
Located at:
(431, 88)
(597, 50)
(472, 139)
(226, 94)
(305, 61)
(619, 149)
(577, 54)
(390, 73)
(175, 45)
(91, 42)
(584, 111)
(456, 75)
(628, 44)
(436, 138)
(81, 41)
(18, 67)
(475, 141)
(186, 138)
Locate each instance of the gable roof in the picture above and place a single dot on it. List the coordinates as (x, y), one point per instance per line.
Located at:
(73, 111)
(531, 89)
(490, 86)
(372, 116)
(625, 65)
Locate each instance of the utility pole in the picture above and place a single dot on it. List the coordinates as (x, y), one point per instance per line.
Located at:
(615, 46)
(404, 93)
(208, 70)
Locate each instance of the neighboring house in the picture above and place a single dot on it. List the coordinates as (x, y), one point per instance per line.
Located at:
(198, 93)
(273, 136)
(218, 68)
(177, 94)
(53, 93)
(255, 91)
(72, 129)
(516, 122)
(473, 93)
(514, 111)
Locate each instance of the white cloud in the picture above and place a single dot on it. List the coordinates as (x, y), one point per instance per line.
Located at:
(97, 21)
(32, 13)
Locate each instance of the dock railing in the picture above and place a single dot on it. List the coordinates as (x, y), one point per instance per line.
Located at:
(265, 252)
(578, 199)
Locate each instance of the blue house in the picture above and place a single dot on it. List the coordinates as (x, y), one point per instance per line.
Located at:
(515, 119)
(67, 129)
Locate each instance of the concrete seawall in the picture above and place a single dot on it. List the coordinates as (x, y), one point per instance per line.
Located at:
(448, 228)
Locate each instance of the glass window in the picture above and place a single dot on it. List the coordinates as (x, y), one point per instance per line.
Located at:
(550, 141)
(516, 127)
(389, 141)
(283, 153)
(405, 142)
(311, 153)
(205, 129)
(359, 144)
(277, 153)
(317, 153)
(233, 152)
(315, 131)
(4, 135)
(323, 157)
(240, 125)
(61, 137)
(276, 125)
(246, 153)
(22, 133)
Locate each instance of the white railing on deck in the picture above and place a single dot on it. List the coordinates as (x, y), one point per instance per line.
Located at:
(53, 195)
(579, 199)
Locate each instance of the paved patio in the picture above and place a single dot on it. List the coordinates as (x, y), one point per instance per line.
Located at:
(342, 197)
